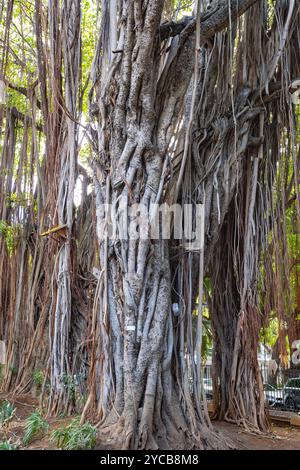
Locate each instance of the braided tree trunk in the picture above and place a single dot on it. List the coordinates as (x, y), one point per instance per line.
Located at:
(139, 85)
(133, 385)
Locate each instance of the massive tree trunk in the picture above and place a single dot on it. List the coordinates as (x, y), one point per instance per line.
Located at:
(141, 361)
(137, 391)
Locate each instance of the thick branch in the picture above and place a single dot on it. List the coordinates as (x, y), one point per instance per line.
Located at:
(22, 117)
(213, 21)
(22, 90)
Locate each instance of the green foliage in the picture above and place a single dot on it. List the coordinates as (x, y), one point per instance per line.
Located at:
(207, 339)
(7, 411)
(18, 200)
(68, 382)
(269, 334)
(174, 9)
(10, 234)
(35, 427)
(13, 369)
(7, 445)
(207, 336)
(38, 378)
(71, 384)
(75, 436)
(90, 25)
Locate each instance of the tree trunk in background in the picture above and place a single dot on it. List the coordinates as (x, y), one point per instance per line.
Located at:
(238, 390)
(224, 308)
(234, 153)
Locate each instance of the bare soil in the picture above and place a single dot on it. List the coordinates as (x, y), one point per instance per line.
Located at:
(283, 437)
(25, 406)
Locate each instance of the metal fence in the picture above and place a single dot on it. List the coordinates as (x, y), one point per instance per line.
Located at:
(281, 386)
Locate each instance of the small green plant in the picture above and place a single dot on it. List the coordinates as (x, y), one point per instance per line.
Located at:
(7, 411)
(13, 369)
(75, 436)
(74, 385)
(69, 383)
(35, 427)
(6, 445)
(10, 233)
(38, 378)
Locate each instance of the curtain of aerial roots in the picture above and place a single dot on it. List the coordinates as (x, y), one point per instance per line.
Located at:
(281, 272)
(235, 275)
(25, 271)
(69, 299)
(28, 274)
(238, 394)
(65, 25)
(137, 388)
(24, 302)
(36, 194)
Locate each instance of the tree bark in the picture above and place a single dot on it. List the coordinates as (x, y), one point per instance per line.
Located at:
(238, 391)
(137, 382)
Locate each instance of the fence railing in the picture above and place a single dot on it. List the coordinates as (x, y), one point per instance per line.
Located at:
(281, 386)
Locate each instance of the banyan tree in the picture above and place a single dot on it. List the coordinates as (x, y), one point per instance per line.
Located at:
(149, 103)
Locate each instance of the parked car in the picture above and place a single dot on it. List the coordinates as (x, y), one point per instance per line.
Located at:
(291, 394)
(273, 396)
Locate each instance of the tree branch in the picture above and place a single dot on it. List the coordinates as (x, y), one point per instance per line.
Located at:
(22, 117)
(21, 89)
(212, 21)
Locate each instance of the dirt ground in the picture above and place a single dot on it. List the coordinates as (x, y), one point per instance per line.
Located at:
(282, 437)
(25, 406)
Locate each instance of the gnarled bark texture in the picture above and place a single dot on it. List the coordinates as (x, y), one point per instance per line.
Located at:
(142, 360)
